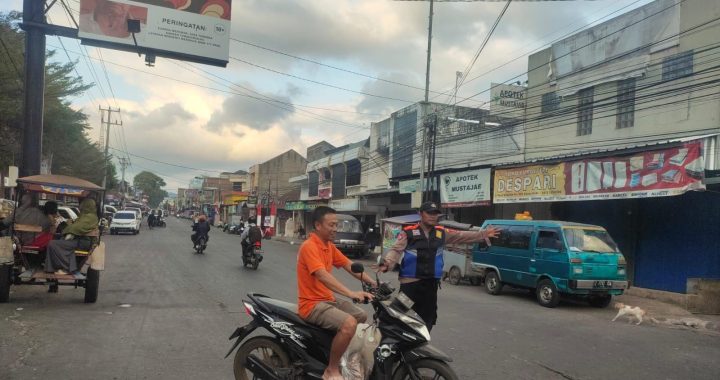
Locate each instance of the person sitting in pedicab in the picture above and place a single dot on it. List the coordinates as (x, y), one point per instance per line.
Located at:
(61, 253)
(29, 214)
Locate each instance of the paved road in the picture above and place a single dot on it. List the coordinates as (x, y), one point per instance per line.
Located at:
(183, 307)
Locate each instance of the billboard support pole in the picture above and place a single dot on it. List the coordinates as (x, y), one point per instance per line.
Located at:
(33, 11)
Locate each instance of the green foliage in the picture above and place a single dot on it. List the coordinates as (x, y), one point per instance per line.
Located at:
(65, 138)
(151, 185)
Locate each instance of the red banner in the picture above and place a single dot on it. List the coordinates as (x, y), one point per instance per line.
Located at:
(654, 173)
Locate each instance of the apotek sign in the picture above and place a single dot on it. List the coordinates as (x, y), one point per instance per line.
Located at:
(465, 189)
(507, 100)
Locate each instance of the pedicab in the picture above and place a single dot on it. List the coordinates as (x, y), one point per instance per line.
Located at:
(22, 263)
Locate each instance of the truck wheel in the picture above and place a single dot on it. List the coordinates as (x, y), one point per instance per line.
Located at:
(600, 301)
(92, 285)
(493, 285)
(454, 275)
(547, 293)
(5, 281)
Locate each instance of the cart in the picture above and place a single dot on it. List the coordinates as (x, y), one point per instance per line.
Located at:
(23, 264)
(457, 260)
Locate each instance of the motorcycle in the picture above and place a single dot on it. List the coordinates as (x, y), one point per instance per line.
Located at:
(297, 350)
(253, 256)
(200, 245)
(160, 222)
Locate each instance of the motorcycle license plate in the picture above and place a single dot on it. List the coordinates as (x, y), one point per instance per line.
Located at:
(602, 284)
(258, 252)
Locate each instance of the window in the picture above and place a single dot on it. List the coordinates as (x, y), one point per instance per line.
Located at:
(590, 240)
(678, 66)
(517, 237)
(585, 111)
(237, 186)
(353, 173)
(549, 240)
(313, 182)
(625, 103)
(550, 102)
(338, 181)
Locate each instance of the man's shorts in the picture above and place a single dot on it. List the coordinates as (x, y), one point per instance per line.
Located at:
(332, 315)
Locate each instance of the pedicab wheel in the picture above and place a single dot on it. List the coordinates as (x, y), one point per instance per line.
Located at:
(5, 281)
(454, 275)
(265, 349)
(600, 301)
(547, 293)
(92, 285)
(425, 369)
(493, 285)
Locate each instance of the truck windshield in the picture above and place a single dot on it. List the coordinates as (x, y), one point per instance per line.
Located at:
(589, 240)
(349, 225)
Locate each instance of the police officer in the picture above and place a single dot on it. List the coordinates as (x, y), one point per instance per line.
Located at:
(419, 248)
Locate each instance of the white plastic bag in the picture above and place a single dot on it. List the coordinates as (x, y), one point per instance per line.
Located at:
(357, 361)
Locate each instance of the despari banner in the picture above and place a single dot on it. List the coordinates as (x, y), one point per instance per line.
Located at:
(655, 173)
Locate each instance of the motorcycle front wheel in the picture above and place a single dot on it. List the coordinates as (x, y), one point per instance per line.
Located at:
(265, 349)
(426, 369)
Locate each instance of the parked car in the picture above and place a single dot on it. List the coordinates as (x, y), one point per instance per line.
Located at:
(349, 238)
(67, 213)
(552, 258)
(125, 221)
(137, 211)
(109, 211)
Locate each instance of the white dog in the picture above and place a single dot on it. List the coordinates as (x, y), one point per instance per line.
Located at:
(630, 311)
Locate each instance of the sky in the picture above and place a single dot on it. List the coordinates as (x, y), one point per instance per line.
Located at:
(180, 119)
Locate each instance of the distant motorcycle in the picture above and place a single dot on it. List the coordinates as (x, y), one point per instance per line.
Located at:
(200, 245)
(253, 256)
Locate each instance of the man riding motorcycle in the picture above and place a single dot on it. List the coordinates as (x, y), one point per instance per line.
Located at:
(316, 285)
(201, 228)
(251, 234)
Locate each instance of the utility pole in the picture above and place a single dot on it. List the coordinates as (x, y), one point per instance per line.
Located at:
(33, 13)
(123, 164)
(425, 104)
(108, 123)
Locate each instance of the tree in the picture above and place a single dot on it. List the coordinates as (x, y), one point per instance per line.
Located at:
(65, 139)
(151, 185)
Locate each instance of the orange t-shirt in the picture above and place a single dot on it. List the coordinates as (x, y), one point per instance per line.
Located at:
(314, 254)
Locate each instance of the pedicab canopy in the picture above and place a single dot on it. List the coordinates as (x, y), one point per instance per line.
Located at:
(59, 184)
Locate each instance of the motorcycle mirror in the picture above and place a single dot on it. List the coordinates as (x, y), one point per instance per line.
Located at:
(357, 268)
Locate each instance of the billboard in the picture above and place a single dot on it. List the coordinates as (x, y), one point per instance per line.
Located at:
(655, 173)
(196, 30)
(465, 189)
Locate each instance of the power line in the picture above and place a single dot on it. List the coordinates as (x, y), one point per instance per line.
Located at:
(318, 82)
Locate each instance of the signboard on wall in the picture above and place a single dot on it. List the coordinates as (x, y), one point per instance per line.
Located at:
(197, 28)
(347, 204)
(507, 100)
(656, 173)
(465, 189)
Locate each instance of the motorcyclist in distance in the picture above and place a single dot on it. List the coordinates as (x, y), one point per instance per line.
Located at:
(201, 228)
(250, 235)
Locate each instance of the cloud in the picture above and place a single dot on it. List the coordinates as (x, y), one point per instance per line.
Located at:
(160, 118)
(258, 111)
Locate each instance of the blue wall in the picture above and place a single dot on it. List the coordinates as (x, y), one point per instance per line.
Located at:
(680, 240)
(666, 240)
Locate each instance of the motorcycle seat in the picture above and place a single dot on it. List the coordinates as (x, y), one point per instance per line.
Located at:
(284, 309)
